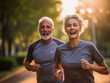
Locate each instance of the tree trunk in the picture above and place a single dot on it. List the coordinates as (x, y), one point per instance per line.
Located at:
(8, 34)
(9, 46)
(3, 35)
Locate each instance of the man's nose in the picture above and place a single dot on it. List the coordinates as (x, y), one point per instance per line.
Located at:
(45, 28)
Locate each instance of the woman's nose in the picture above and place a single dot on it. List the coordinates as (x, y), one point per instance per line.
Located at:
(72, 27)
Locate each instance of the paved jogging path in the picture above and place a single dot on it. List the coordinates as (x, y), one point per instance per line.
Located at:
(21, 76)
(101, 78)
(24, 76)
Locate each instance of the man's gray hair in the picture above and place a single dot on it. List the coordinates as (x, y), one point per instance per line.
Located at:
(46, 19)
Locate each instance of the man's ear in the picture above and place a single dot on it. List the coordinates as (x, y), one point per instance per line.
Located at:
(38, 29)
(53, 30)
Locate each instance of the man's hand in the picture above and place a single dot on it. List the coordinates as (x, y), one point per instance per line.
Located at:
(35, 67)
(57, 74)
(30, 67)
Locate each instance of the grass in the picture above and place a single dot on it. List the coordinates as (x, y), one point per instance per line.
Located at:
(108, 63)
(5, 73)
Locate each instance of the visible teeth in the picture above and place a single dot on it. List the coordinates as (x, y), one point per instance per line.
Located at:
(45, 33)
(72, 32)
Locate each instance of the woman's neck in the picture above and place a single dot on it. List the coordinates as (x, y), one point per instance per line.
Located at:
(73, 42)
(46, 41)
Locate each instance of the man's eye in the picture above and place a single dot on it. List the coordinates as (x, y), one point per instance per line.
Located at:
(42, 27)
(48, 27)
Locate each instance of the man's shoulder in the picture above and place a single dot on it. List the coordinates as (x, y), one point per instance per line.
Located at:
(59, 42)
(34, 43)
(62, 46)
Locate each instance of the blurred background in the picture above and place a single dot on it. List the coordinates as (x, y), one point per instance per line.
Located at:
(19, 25)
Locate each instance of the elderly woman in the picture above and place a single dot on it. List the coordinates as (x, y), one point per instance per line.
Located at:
(76, 56)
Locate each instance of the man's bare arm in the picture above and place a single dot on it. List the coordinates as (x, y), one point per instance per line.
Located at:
(27, 65)
(30, 67)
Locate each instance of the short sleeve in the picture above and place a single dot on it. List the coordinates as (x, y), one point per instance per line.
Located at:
(97, 57)
(29, 54)
(57, 57)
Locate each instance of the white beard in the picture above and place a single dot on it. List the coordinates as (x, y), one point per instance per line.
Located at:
(46, 37)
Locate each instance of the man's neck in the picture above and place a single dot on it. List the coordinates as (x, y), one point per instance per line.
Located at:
(46, 41)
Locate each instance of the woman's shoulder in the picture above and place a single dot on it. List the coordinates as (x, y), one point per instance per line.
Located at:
(87, 43)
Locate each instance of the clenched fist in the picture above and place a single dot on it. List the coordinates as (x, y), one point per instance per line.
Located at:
(57, 74)
(35, 67)
(85, 64)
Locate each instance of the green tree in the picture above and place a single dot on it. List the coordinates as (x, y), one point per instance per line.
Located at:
(19, 18)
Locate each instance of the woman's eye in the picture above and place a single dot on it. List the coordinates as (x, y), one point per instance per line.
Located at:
(68, 25)
(75, 25)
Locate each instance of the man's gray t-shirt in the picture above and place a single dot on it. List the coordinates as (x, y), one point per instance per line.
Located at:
(43, 54)
(70, 60)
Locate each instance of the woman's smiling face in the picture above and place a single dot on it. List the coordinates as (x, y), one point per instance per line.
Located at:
(72, 28)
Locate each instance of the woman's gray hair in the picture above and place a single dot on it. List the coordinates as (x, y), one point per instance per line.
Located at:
(82, 23)
(46, 19)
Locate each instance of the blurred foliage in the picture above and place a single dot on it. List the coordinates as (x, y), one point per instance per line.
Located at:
(20, 60)
(108, 63)
(11, 62)
(7, 63)
(19, 19)
(58, 31)
(101, 11)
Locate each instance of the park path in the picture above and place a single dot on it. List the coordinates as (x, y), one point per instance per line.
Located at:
(101, 78)
(21, 76)
(30, 77)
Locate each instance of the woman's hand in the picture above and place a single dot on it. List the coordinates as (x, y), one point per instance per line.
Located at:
(57, 74)
(100, 67)
(85, 64)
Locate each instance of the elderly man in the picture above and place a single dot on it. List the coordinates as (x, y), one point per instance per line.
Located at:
(42, 52)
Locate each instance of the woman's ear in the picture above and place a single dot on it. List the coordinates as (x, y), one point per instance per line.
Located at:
(80, 29)
(65, 30)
